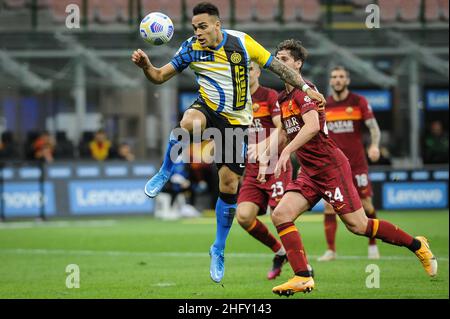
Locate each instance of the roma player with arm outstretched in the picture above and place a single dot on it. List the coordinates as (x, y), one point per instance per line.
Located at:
(325, 173)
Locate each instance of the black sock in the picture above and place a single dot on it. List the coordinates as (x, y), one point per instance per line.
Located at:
(303, 273)
(228, 198)
(415, 245)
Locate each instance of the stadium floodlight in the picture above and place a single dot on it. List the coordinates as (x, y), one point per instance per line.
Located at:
(97, 64)
(423, 54)
(21, 72)
(353, 62)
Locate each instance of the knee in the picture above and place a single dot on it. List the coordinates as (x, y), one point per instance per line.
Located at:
(368, 209)
(187, 123)
(245, 220)
(280, 216)
(229, 184)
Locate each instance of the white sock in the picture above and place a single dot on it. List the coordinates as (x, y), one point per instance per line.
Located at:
(281, 251)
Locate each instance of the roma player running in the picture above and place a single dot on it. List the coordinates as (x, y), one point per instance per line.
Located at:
(220, 59)
(346, 113)
(260, 190)
(325, 173)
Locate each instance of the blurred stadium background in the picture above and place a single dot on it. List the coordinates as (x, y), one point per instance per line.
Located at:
(59, 86)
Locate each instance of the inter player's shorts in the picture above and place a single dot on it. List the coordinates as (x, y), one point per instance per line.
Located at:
(264, 194)
(362, 182)
(233, 150)
(335, 185)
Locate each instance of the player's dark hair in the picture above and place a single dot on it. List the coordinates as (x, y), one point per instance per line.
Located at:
(341, 68)
(296, 49)
(206, 7)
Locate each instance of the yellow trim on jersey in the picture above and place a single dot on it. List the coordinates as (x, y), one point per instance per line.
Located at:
(256, 51)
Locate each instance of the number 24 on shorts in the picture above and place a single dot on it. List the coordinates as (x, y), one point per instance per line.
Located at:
(336, 197)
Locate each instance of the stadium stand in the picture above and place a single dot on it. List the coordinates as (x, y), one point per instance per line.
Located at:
(173, 8)
(388, 10)
(222, 5)
(409, 10)
(266, 10)
(243, 11)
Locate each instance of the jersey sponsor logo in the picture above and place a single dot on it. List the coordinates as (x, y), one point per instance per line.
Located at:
(236, 58)
(256, 126)
(292, 125)
(341, 127)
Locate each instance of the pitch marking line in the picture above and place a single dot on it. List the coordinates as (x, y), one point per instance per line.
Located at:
(22, 251)
(58, 224)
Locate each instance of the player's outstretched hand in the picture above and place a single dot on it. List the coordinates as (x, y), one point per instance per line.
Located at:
(374, 153)
(281, 167)
(140, 58)
(262, 173)
(317, 96)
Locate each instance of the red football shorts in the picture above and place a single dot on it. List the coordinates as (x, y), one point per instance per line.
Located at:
(362, 182)
(335, 185)
(264, 194)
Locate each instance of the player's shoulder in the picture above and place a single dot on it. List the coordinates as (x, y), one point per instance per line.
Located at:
(357, 98)
(236, 33)
(187, 44)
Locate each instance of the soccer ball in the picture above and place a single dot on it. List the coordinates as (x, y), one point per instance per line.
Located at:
(156, 28)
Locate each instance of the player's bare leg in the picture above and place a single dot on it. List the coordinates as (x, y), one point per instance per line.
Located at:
(291, 206)
(225, 211)
(190, 118)
(358, 223)
(330, 225)
(369, 209)
(246, 215)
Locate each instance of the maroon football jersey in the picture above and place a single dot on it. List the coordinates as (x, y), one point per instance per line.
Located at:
(265, 107)
(345, 122)
(319, 153)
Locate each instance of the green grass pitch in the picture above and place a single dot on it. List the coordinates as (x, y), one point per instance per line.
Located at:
(140, 257)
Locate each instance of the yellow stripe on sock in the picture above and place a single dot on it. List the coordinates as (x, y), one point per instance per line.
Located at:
(287, 230)
(252, 226)
(376, 223)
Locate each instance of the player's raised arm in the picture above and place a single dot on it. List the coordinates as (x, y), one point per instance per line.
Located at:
(295, 79)
(153, 74)
(306, 133)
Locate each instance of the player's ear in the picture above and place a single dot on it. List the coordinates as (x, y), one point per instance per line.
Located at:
(348, 81)
(298, 65)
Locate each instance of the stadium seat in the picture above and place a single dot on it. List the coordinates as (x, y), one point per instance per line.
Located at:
(243, 11)
(58, 8)
(15, 4)
(43, 4)
(409, 10)
(388, 10)
(172, 8)
(432, 12)
(310, 10)
(290, 10)
(362, 3)
(104, 11)
(222, 5)
(444, 8)
(266, 10)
